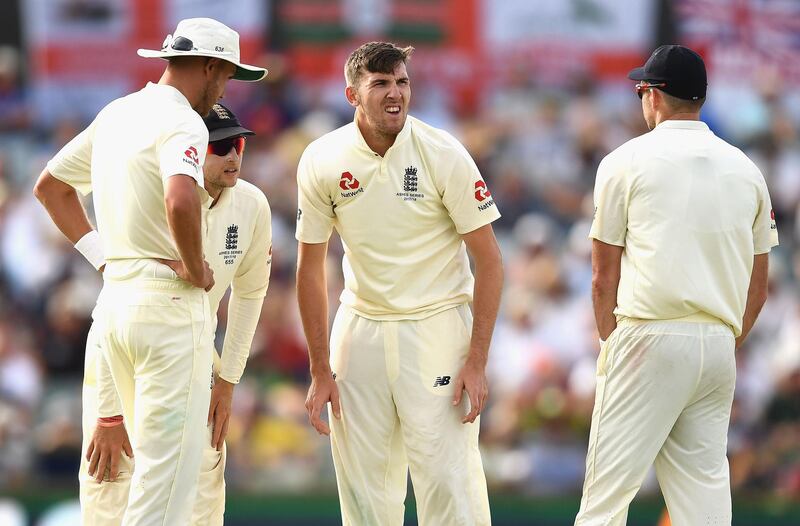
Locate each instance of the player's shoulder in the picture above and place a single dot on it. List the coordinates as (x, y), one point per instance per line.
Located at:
(250, 193)
(735, 153)
(623, 154)
(435, 138)
(333, 141)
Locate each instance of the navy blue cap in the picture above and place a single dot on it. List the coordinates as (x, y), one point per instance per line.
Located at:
(222, 123)
(681, 69)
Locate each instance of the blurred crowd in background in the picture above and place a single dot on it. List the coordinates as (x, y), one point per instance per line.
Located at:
(538, 148)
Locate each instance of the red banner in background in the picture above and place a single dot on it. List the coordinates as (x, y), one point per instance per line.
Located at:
(744, 40)
(83, 54)
(470, 45)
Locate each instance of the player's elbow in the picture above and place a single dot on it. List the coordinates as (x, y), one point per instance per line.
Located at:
(40, 189)
(47, 188)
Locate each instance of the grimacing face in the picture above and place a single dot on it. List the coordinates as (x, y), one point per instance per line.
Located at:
(383, 100)
(222, 171)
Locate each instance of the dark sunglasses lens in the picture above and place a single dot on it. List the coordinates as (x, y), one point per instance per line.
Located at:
(182, 44)
(224, 146)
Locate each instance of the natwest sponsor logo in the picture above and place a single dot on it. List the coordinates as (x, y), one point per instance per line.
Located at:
(191, 158)
(350, 185)
(348, 182)
(191, 153)
(481, 191)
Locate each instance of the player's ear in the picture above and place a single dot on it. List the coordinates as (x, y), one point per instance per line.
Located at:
(656, 99)
(212, 65)
(352, 96)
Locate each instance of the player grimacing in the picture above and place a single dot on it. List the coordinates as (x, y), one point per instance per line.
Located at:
(410, 205)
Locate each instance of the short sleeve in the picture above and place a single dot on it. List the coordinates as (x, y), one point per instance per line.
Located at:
(315, 215)
(765, 230)
(465, 194)
(611, 197)
(73, 163)
(183, 151)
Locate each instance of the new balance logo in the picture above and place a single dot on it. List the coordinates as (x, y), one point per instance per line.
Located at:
(441, 380)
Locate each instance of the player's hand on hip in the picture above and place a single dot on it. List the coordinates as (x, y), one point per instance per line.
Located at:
(104, 452)
(472, 379)
(208, 277)
(219, 412)
(206, 282)
(323, 389)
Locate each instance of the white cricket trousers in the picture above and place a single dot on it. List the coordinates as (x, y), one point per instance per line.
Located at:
(155, 336)
(664, 395)
(104, 504)
(395, 381)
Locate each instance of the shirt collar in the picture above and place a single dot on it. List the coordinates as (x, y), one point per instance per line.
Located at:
(223, 201)
(168, 91)
(683, 125)
(401, 137)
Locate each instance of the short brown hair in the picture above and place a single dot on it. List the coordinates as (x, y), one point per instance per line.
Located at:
(374, 57)
(682, 105)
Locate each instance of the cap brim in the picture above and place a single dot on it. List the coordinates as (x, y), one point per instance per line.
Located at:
(244, 72)
(637, 74)
(224, 133)
(249, 73)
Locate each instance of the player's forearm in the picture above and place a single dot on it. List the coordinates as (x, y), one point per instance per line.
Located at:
(108, 402)
(62, 203)
(243, 315)
(312, 297)
(606, 272)
(604, 300)
(756, 295)
(486, 303)
(183, 217)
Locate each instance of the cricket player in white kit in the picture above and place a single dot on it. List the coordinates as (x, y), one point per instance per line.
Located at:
(681, 234)
(237, 242)
(409, 204)
(142, 160)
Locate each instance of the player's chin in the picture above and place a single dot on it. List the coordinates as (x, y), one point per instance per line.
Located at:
(394, 123)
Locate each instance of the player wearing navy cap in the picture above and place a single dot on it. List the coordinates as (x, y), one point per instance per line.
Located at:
(681, 235)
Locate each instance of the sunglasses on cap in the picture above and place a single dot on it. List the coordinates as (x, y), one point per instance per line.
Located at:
(178, 44)
(223, 146)
(643, 86)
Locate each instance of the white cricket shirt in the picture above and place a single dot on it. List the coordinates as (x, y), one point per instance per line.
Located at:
(125, 158)
(691, 211)
(238, 248)
(400, 217)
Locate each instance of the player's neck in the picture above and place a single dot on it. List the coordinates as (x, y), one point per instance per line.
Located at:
(214, 191)
(377, 142)
(681, 116)
(183, 84)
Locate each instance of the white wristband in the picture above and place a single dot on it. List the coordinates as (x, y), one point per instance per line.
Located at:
(91, 247)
